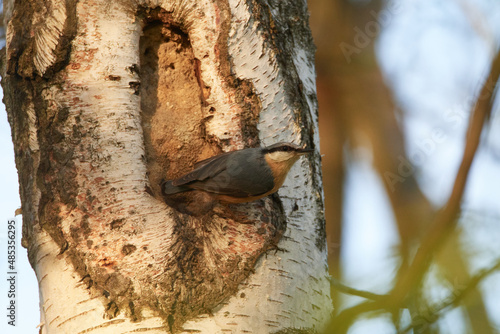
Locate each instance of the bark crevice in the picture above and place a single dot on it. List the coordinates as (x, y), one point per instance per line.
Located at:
(212, 254)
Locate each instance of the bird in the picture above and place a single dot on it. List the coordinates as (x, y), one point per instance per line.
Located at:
(235, 177)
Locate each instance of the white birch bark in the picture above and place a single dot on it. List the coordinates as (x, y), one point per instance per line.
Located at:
(109, 255)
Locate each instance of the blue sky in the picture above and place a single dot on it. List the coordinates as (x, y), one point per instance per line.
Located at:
(435, 55)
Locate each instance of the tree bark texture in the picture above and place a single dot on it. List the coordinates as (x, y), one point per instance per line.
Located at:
(105, 99)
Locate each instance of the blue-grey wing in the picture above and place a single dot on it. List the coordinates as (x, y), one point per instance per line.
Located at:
(205, 169)
(239, 174)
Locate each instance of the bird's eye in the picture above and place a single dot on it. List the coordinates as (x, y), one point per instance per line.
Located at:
(286, 148)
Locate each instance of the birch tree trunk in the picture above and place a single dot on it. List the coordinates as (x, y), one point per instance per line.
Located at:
(106, 98)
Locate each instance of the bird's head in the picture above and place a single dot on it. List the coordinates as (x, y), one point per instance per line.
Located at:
(286, 153)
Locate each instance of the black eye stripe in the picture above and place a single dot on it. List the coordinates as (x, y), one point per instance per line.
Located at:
(281, 149)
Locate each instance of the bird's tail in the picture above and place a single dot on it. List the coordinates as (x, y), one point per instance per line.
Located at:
(167, 188)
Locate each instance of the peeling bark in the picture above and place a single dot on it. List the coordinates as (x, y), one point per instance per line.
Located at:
(107, 98)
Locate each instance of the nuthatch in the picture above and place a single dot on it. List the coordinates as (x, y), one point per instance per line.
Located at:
(238, 176)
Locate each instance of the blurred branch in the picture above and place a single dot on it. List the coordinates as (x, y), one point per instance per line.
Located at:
(357, 110)
(446, 219)
(443, 224)
(355, 292)
(434, 312)
(452, 263)
(477, 22)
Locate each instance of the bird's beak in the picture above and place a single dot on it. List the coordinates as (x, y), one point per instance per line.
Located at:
(305, 150)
